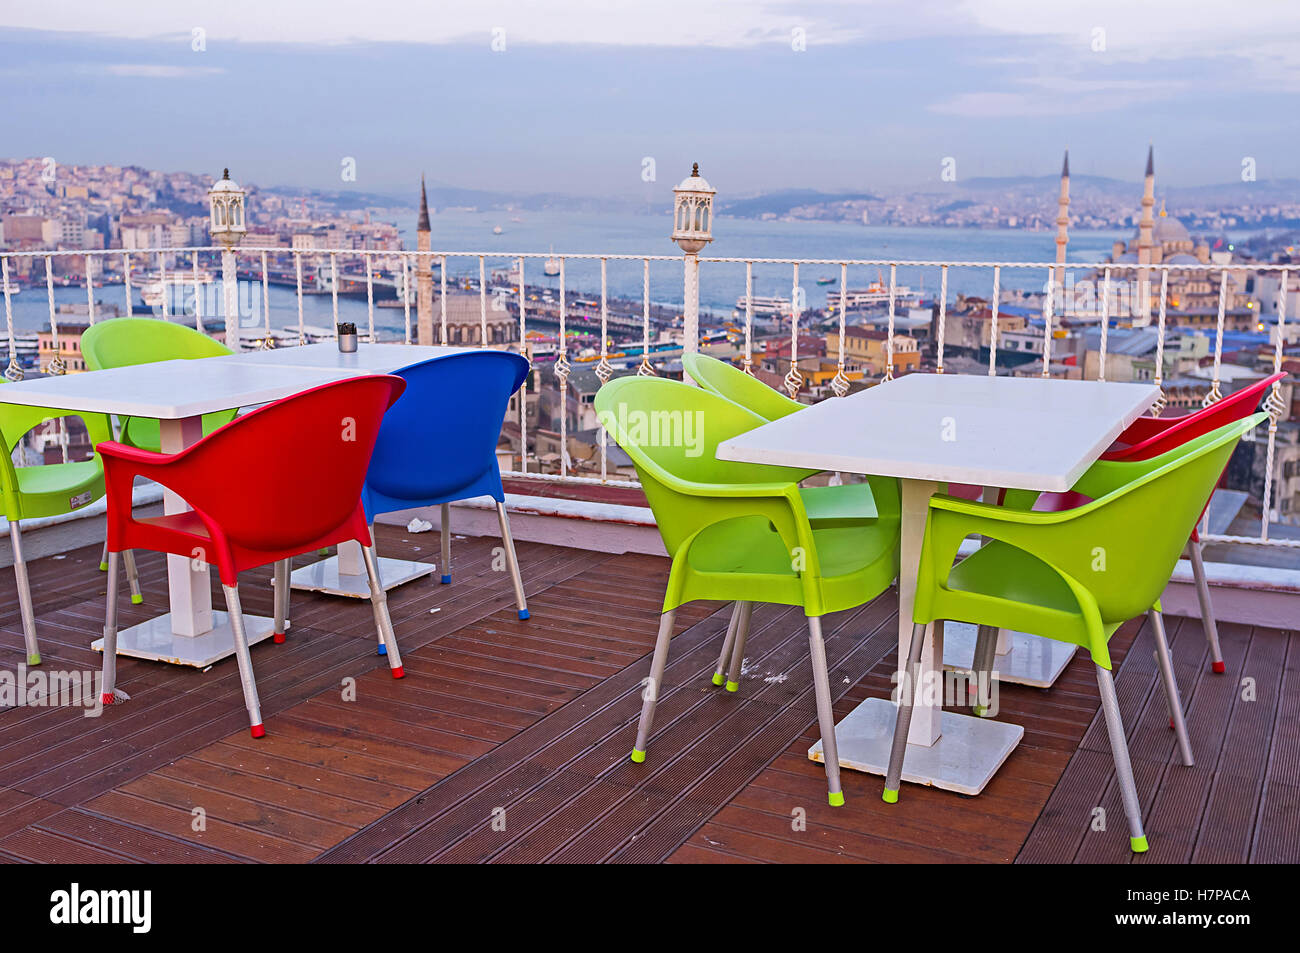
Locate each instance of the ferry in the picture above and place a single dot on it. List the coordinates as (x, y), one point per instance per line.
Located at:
(551, 267)
(875, 295)
(763, 306)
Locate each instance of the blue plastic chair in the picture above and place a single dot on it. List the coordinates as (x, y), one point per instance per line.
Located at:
(438, 443)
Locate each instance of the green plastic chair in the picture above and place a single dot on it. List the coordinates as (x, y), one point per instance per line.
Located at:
(121, 342)
(53, 489)
(826, 505)
(740, 532)
(1073, 575)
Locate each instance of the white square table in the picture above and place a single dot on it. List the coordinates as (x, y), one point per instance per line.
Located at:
(927, 429)
(345, 574)
(178, 394)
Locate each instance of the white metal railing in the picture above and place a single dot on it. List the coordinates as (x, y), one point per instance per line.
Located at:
(401, 265)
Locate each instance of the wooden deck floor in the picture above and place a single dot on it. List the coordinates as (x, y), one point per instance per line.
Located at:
(507, 741)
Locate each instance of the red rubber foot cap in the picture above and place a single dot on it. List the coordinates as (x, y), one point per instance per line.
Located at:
(257, 731)
(277, 638)
(398, 673)
(1171, 724)
(106, 698)
(1219, 668)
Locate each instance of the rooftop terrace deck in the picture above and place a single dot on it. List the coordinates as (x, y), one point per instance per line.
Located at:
(536, 718)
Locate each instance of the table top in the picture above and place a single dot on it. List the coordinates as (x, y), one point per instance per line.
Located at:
(170, 390)
(1014, 432)
(368, 358)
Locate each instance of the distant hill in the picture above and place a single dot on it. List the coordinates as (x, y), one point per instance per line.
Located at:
(780, 203)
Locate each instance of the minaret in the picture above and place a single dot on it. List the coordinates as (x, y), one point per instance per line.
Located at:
(1142, 306)
(1062, 224)
(423, 274)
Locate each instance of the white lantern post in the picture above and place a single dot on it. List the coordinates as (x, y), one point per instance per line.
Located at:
(227, 227)
(692, 230)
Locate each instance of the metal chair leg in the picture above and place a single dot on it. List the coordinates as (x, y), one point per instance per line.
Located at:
(1123, 767)
(383, 622)
(132, 576)
(444, 531)
(1208, 622)
(746, 610)
(1170, 684)
(825, 714)
(281, 585)
(906, 690)
(724, 659)
(650, 691)
(513, 561)
(108, 680)
(986, 646)
(24, 595)
(103, 558)
(245, 661)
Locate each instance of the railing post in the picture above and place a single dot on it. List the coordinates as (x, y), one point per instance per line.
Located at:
(230, 297)
(691, 308)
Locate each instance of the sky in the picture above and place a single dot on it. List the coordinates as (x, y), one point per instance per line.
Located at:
(615, 99)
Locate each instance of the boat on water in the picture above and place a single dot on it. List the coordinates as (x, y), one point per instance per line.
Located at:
(551, 267)
(875, 295)
(496, 229)
(153, 287)
(825, 281)
(763, 306)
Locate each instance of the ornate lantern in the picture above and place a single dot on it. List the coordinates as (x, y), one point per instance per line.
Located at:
(226, 200)
(693, 212)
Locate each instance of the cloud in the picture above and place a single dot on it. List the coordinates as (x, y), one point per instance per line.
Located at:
(157, 70)
(1057, 96)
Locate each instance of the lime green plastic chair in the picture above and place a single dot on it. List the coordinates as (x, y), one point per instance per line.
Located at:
(826, 505)
(1074, 575)
(120, 342)
(740, 532)
(53, 489)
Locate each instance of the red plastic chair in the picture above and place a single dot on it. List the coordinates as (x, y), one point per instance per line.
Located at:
(282, 480)
(1149, 437)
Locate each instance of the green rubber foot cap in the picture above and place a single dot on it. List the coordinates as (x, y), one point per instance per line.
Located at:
(837, 798)
(638, 756)
(889, 797)
(980, 710)
(34, 658)
(717, 678)
(733, 686)
(137, 599)
(1139, 844)
(103, 567)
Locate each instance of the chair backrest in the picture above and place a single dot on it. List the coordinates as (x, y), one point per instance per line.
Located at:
(721, 378)
(1123, 546)
(15, 421)
(119, 342)
(1165, 434)
(441, 435)
(671, 429)
(291, 471)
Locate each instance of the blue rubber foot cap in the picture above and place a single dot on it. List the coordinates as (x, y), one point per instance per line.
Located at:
(103, 567)
(137, 599)
(1139, 844)
(638, 756)
(717, 678)
(446, 579)
(889, 797)
(837, 798)
(523, 613)
(383, 650)
(34, 658)
(733, 686)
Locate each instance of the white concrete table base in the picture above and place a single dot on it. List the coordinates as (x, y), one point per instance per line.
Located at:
(154, 640)
(964, 759)
(1029, 660)
(324, 576)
